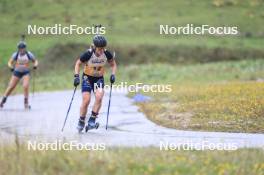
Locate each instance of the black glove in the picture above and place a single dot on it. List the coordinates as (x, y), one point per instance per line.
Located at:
(112, 78)
(35, 67)
(12, 69)
(76, 80)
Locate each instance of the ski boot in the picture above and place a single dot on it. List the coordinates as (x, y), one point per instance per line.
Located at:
(26, 105)
(81, 125)
(3, 102)
(91, 124)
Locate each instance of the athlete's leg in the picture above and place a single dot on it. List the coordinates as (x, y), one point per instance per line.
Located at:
(83, 110)
(99, 94)
(86, 97)
(12, 84)
(26, 79)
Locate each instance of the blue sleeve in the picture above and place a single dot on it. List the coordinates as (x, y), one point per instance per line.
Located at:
(31, 56)
(108, 55)
(86, 56)
(14, 56)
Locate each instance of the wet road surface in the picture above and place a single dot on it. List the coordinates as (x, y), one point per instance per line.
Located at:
(127, 126)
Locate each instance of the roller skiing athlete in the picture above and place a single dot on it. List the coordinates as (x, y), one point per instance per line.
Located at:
(19, 66)
(94, 60)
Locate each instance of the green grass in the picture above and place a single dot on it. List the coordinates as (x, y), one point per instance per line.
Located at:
(129, 24)
(245, 70)
(196, 73)
(130, 161)
(226, 107)
(221, 96)
(136, 25)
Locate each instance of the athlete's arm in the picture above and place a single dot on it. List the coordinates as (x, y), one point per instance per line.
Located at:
(113, 66)
(11, 63)
(82, 59)
(32, 57)
(112, 63)
(35, 61)
(76, 81)
(77, 67)
(111, 60)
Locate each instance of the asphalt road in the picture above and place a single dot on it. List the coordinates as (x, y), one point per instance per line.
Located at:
(127, 126)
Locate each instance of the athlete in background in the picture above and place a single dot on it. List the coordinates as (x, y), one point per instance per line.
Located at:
(19, 65)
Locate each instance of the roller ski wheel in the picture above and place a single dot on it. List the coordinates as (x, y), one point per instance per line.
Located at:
(90, 127)
(81, 125)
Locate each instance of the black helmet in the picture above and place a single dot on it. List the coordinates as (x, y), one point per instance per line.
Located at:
(21, 45)
(99, 41)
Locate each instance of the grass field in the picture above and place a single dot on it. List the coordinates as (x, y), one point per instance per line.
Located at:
(217, 81)
(224, 96)
(125, 21)
(227, 107)
(130, 161)
(245, 70)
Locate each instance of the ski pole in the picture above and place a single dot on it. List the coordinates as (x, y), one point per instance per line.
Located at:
(33, 77)
(109, 103)
(68, 109)
(23, 37)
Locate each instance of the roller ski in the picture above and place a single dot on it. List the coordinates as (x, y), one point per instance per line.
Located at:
(81, 125)
(91, 124)
(26, 105)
